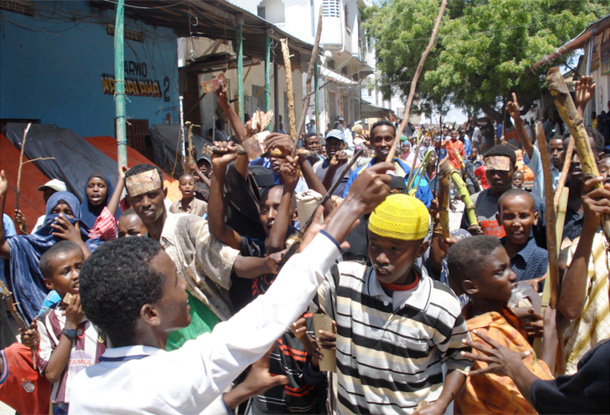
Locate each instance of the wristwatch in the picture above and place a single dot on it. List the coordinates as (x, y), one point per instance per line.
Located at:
(71, 333)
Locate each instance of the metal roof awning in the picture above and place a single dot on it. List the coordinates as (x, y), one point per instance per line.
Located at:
(368, 110)
(576, 43)
(216, 19)
(336, 77)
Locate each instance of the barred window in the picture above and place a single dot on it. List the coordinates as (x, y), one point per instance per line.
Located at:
(331, 8)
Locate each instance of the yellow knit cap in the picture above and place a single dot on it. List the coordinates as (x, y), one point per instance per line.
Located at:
(400, 216)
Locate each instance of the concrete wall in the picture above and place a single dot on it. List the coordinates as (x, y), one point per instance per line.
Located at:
(52, 68)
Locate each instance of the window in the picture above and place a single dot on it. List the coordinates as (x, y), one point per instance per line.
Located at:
(260, 11)
(331, 8)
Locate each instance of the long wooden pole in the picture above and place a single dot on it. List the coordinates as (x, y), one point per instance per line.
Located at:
(289, 90)
(25, 134)
(549, 217)
(567, 159)
(573, 120)
(119, 84)
(310, 71)
(418, 72)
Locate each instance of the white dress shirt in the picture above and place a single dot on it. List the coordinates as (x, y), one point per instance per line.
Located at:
(146, 380)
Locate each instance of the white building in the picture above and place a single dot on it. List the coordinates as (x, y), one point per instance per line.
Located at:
(346, 60)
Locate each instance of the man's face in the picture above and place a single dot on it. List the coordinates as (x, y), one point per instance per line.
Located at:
(517, 216)
(66, 270)
(518, 179)
(427, 141)
(575, 173)
(392, 259)
(557, 152)
(604, 169)
(454, 135)
(173, 308)
(499, 180)
(333, 145)
(269, 207)
(381, 140)
(205, 168)
(313, 144)
(149, 206)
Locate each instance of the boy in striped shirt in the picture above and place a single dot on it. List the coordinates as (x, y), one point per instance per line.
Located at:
(396, 327)
(68, 341)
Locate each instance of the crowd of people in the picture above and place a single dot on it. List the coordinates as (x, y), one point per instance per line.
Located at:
(233, 300)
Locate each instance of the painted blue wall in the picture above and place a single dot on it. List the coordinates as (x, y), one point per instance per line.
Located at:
(51, 67)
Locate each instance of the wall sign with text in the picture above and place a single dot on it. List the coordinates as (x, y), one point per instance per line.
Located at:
(136, 82)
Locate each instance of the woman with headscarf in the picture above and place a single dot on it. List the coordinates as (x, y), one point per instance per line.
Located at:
(100, 210)
(62, 222)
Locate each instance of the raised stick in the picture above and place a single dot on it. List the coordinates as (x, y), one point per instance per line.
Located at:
(25, 134)
(549, 217)
(289, 90)
(573, 120)
(418, 72)
(564, 172)
(310, 69)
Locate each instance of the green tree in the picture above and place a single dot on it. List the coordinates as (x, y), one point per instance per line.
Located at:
(483, 51)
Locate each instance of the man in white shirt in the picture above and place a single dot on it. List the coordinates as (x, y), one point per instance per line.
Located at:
(130, 289)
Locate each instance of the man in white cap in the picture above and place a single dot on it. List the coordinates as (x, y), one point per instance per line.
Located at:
(47, 189)
(333, 167)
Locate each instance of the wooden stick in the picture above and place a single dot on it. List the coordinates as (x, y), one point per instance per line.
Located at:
(25, 134)
(418, 72)
(465, 197)
(444, 180)
(567, 159)
(8, 297)
(289, 90)
(573, 120)
(549, 217)
(310, 69)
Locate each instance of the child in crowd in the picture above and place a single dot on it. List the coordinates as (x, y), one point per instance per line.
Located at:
(21, 386)
(130, 224)
(480, 267)
(68, 341)
(518, 179)
(517, 214)
(396, 326)
(189, 203)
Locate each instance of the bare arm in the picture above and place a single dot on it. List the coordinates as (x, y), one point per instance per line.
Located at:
(584, 89)
(550, 339)
(234, 120)
(216, 204)
(250, 267)
(573, 288)
(277, 236)
(452, 385)
(61, 354)
(113, 203)
(193, 166)
(314, 183)
(513, 109)
(5, 250)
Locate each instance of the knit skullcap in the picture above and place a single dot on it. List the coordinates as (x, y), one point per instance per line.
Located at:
(400, 216)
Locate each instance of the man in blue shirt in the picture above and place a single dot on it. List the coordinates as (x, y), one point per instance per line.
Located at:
(382, 135)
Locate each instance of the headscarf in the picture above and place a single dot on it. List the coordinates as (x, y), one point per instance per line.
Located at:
(90, 212)
(25, 279)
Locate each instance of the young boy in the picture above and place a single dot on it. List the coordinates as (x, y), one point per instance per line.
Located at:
(130, 224)
(518, 179)
(480, 267)
(68, 341)
(517, 214)
(396, 327)
(189, 203)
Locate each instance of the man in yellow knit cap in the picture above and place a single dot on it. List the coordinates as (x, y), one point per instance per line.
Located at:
(395, 325)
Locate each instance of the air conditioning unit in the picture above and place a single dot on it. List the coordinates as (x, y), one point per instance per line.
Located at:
(332, 32)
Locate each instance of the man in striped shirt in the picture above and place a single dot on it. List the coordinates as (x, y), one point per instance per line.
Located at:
(396, 327)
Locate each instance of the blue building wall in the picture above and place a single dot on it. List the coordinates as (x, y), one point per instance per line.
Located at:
(52, 68)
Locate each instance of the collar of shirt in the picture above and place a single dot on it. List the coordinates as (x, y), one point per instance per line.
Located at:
(418, 298)
(485, 320)
(525, 252)
(406, 169)
(121, 354)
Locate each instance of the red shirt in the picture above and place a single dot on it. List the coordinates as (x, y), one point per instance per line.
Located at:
(21, 386)
(480, 173)
(451, 146)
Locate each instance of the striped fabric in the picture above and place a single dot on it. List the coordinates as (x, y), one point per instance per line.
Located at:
(390, 350)
(593, 325)
(105, 227)
(86, 350)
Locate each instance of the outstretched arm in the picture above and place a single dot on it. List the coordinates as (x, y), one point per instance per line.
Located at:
(513, 109)
(216, 203)
(277, 236)
(113, 203)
